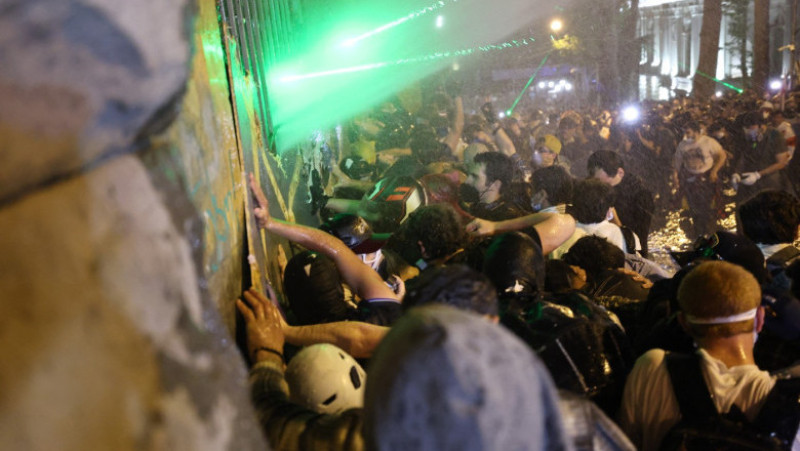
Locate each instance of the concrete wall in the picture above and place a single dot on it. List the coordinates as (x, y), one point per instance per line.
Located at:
(121, 229)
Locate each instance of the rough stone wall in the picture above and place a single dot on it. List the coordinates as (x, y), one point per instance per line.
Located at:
(120, 230)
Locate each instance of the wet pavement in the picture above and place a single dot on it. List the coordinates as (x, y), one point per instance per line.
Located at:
(670, 235)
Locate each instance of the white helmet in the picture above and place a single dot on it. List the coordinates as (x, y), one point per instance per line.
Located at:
(326, 379)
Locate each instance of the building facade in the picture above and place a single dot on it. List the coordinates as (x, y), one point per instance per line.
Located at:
(670, 35)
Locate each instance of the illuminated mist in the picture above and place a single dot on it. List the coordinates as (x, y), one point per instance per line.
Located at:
(354, 56)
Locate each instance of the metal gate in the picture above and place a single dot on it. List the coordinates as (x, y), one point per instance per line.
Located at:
(262, 32)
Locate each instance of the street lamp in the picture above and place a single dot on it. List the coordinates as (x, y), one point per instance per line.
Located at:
(556, 25)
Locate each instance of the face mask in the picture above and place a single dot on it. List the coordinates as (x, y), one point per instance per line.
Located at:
(752, 135)
(374, 262)
(537, 158)
(689, 140)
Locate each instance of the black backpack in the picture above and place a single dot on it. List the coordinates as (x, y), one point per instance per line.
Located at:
(703, 428)
(584, 350)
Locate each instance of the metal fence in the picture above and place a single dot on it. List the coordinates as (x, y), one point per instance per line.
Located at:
(261, 29)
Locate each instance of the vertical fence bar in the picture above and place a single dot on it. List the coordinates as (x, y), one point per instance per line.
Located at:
(260, 74)
(260, 29)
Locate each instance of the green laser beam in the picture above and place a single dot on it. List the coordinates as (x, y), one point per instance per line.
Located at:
(418, 59)
(344, 70)
(530, 80)
(439, 4)
(727, 85)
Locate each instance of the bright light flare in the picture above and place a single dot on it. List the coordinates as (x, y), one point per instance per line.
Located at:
(439, 21)
(775, 85)
(556, 25)
(719, 93)
(631, 114)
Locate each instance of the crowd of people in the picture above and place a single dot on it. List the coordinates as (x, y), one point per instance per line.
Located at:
(483, 282)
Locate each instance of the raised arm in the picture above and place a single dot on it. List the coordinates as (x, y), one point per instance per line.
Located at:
(504, 143)
(457, 126)
(361, 278)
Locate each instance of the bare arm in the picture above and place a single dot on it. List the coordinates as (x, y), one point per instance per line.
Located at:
(457, 127)
(782, 156)
(781, 160)
(361, 278)
(343, 179)
(677, 163)
(504, 143)
(719, 160)
(483, 227)
(356, 338)
(553, 228)
(395, 151)
(646, 142)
